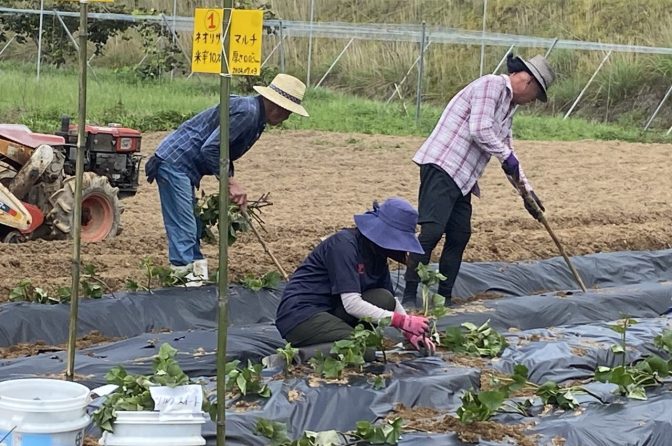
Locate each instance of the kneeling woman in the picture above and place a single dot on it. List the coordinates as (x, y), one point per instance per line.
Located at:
(346, 278)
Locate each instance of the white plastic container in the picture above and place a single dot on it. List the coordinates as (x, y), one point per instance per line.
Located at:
(133, 428)
(43, 412)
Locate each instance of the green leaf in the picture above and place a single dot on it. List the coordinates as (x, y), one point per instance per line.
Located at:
(636, 392)
(241, 382)
(132, 285)
(274, 431)
(167, 351)
(470, 339)
(438, 300)
(469, 326)
(617, 328)
(378, 382)
(617, 348)
(664, 340)
(492, 399)
(658, 365)
(332, 368)
(326, 438)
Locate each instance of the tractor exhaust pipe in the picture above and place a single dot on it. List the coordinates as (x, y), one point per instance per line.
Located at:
(65, 124)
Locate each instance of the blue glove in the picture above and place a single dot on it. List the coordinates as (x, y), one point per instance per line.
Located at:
(511, 167)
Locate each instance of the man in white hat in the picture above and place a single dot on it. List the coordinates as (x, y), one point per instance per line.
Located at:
(192, 151)
(475, 125)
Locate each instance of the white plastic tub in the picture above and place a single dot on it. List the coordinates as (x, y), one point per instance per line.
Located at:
(43, 412)
(133, 428)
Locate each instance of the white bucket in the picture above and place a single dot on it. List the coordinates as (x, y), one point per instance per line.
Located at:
(135, 428)
(43, 412)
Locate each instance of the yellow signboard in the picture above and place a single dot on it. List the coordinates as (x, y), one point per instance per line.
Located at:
(245, 42)
(207, 41)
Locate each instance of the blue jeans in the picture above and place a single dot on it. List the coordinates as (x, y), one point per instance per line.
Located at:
(183, 228)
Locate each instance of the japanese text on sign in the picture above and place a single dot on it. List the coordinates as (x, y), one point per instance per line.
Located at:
(207, 41)
(245, 42)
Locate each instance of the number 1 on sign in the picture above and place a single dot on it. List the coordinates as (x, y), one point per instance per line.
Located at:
(213, 20)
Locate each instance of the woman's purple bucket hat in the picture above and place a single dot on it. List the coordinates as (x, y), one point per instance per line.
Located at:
(391, 225)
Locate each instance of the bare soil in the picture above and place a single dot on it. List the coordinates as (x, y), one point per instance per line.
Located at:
(22, 350)
(599, 196)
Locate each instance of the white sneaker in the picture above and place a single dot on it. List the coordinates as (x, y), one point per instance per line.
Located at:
(181, 271)
(198, 275)
(201, 269)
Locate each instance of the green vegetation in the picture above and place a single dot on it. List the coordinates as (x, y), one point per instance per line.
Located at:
(366, 433)
(481, 406)
(474, 340)
(632, 380)
(163, 105)
(133, 394)
(92, 286)
(625, 92)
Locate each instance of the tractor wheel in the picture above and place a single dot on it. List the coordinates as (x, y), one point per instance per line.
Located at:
(13, 237)
(101, 208)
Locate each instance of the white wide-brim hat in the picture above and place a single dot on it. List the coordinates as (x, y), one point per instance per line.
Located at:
(285, 91)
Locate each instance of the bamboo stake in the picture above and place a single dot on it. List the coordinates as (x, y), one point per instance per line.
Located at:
(263, 244)
(223, 279)
(79, 173)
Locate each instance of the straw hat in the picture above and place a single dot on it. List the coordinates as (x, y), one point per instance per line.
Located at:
(285, 91)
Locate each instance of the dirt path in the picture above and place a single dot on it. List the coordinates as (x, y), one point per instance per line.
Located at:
(600, 196)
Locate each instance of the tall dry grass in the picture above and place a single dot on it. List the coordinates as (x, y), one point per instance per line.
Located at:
(627, 89)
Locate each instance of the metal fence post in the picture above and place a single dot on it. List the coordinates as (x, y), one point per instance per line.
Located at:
(282, 49)
(485, 10)
(39, 40)
(275, 48)
(7, 45)
(421, 69)
(417, 59)
(335, 62)
(550, 48)
(653, 116)
(569, 112)
(310, 42)
(501, 62)
(74, 43)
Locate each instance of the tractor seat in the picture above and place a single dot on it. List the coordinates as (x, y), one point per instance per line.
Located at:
(21, 134)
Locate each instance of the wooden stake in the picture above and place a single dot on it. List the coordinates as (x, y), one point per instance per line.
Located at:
(263, 244)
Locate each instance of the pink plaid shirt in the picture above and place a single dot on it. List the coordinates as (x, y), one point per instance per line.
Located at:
(475, 125)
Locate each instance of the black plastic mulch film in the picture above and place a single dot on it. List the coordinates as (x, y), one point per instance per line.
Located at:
(539, 301)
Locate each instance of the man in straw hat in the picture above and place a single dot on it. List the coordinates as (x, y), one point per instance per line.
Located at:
(192, 151)
(346, 278)
(475, 125)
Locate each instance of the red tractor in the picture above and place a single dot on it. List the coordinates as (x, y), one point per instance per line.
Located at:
(37, 183)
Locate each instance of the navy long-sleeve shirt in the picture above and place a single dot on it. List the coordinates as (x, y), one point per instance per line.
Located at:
(194, 146)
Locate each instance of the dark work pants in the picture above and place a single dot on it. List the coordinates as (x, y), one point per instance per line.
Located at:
(442, 210)
(330, 327)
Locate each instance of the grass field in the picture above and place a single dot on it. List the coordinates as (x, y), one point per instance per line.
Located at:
(162, 105)
(625, 92)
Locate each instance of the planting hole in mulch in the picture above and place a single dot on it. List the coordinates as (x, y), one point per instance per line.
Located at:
(433, 421)
(25, 349)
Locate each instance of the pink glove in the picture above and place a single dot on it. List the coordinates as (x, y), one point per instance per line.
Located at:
(420, 341)
(416, 325)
